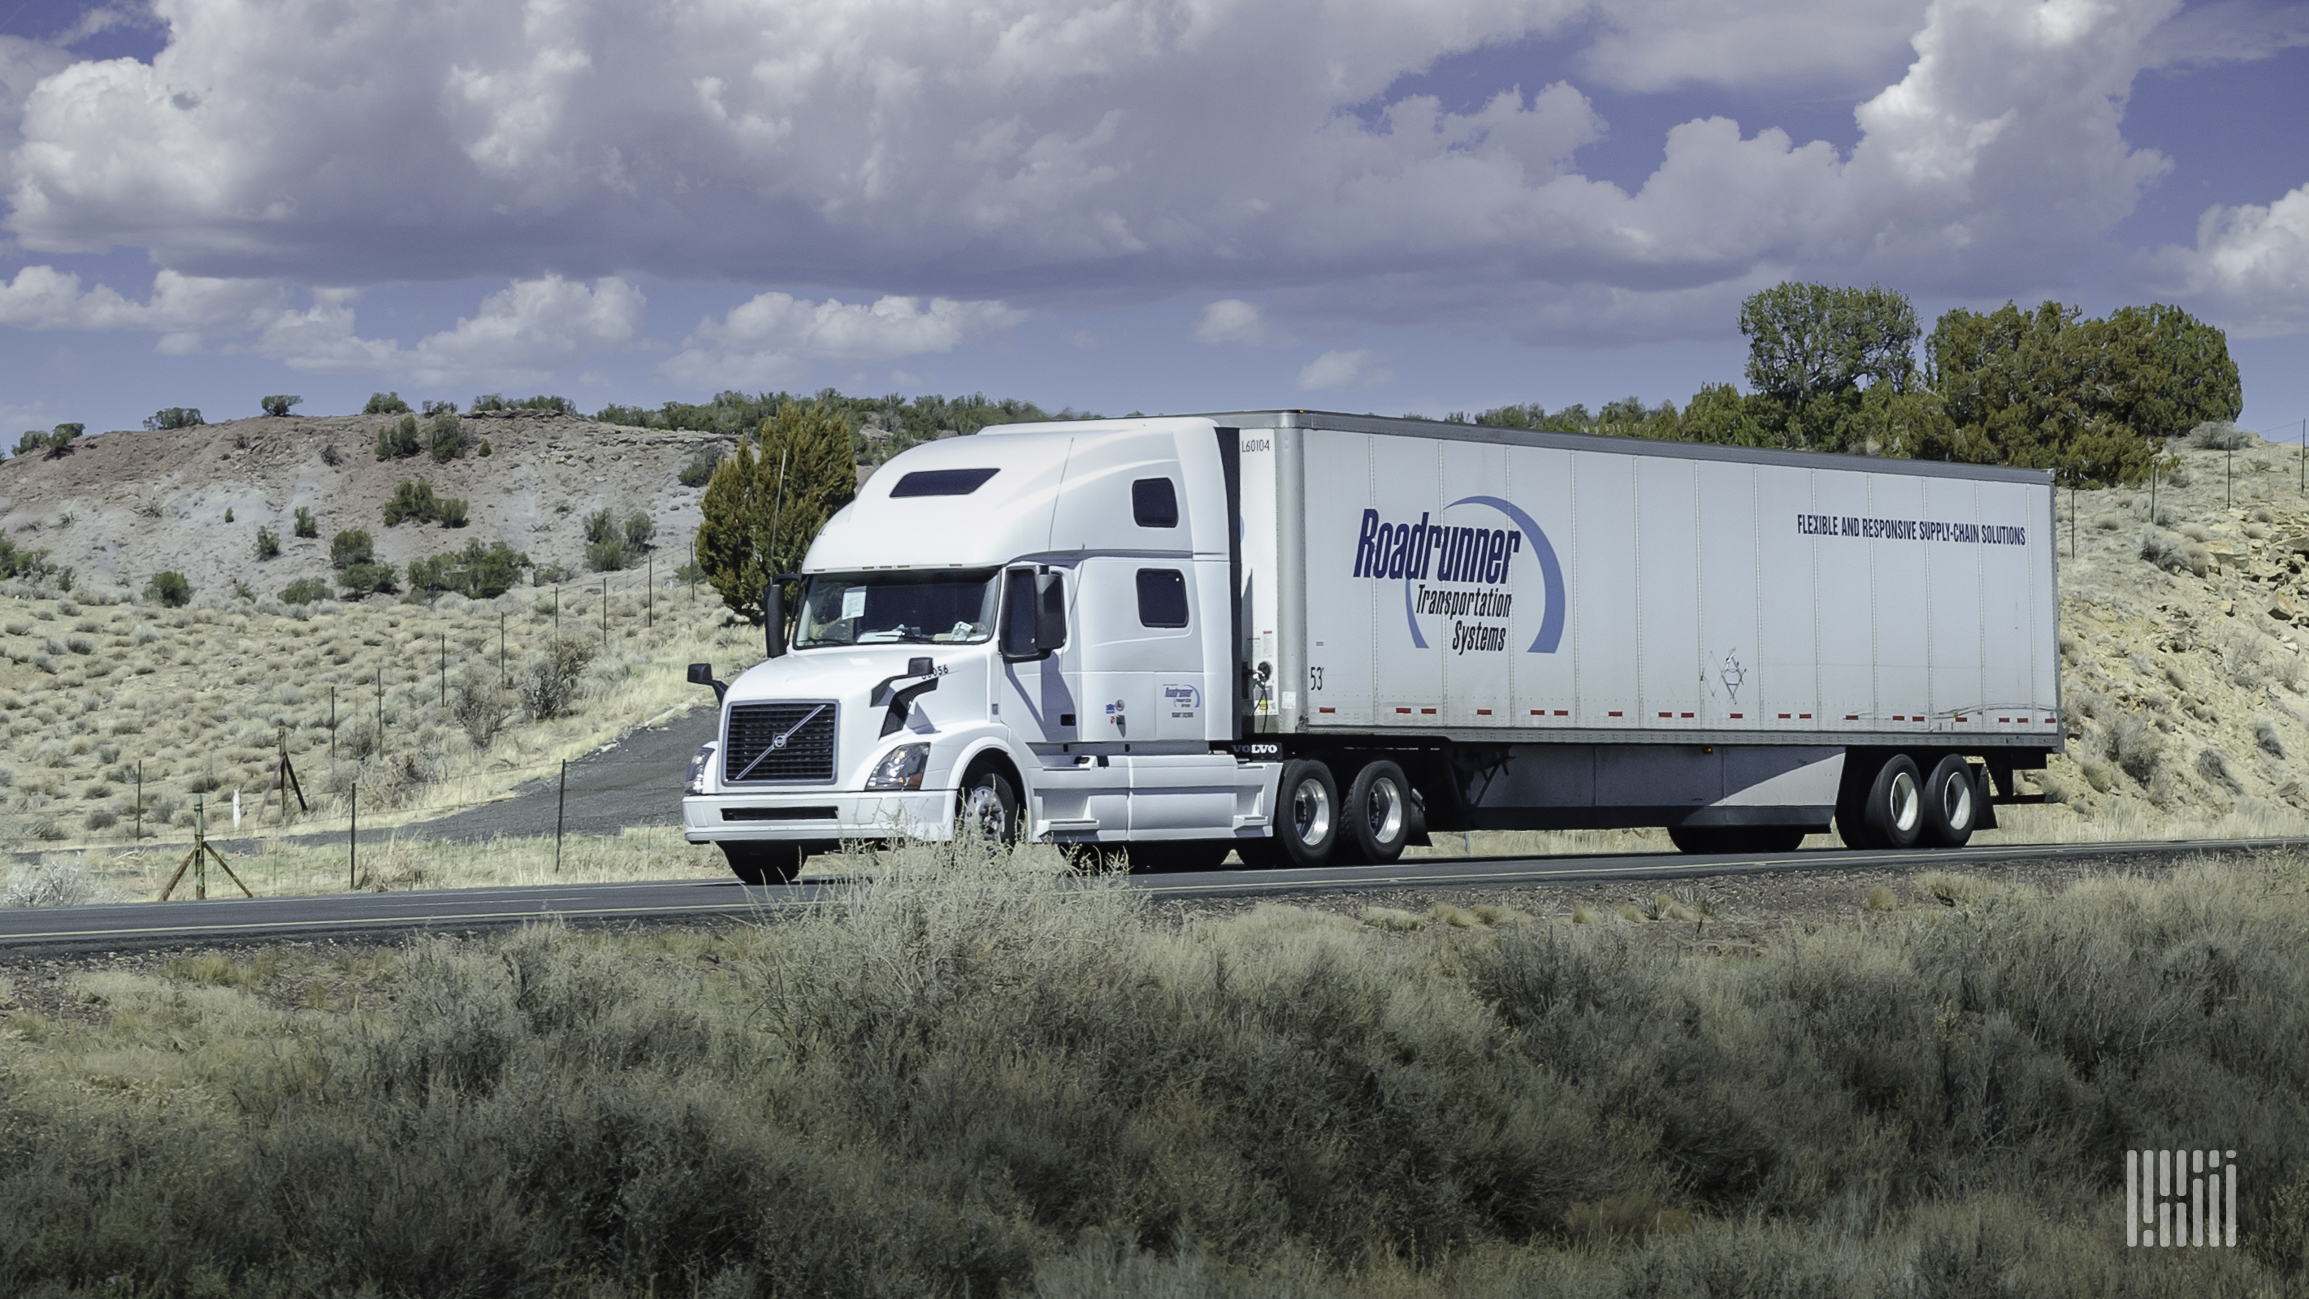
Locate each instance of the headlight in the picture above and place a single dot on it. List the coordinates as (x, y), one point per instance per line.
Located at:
(695, 781)
(900, 768)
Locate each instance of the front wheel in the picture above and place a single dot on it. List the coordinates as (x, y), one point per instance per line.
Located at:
(1737, 838)
(989, 809)
(1951, 803)
(765, 863)
(1307, 824)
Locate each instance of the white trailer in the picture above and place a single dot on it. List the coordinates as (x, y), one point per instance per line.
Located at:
(1307, 637)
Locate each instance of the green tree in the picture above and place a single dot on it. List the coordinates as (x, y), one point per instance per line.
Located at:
(306, 527)
(174, 417)
(280, 404)
(764, 505)
(1807, 340)
(480, 572)
(2091, 399)
(398, 441)
(412, 501)
(385, 403)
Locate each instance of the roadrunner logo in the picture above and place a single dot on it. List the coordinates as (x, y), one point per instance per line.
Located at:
(1473, 567)
(2181, 1197)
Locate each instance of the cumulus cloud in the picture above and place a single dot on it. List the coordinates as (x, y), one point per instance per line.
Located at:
(520, 334)
(1231, 320)
(766, 339)
(1029, 153)
(2250, 265)
(1343, 369)
(182, 308)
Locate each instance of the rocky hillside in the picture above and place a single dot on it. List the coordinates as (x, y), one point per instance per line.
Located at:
(123, 506)
(2181, 645)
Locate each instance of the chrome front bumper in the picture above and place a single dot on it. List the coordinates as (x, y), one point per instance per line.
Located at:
(788, 816)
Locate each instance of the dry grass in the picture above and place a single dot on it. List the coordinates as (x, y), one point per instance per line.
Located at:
(971, 1075)
(202, 696)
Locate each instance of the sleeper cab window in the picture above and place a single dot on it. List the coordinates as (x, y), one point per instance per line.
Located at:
(1162, 597)
(1154, 503)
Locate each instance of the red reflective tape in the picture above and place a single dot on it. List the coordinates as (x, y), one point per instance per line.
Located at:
(1483, 712)
(1565, 712)
(1739, 714)
(1667, 714)
(1614, 713)
(1851, 717)
(1403, 710)
(1686, 714)
(1427, 710)
(1539, 712)
(1803, 717)
(1784, 716)
(1326, 710)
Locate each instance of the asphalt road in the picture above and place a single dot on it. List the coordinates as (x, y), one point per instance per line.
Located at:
(160, 924)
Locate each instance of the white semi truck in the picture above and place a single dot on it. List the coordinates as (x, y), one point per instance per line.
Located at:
(1309, 638)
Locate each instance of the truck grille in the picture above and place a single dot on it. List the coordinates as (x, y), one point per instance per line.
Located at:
(779, 743)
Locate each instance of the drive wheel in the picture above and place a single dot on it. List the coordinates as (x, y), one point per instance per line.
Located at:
(1951, 803)
(764, 863)
(1737, 838)
(1307, 827)
(1378, 813)
(989, 809)
(1890, 813)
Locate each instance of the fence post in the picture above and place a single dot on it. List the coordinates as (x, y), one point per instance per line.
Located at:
(140, 800)
(502, 681)
(560, 801)
(353, 844)
(444, 669)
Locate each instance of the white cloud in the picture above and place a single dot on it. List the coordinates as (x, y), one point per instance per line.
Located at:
(182, 307)
(2229, 31)
(520, 334)
(1341, 369)
(765, 339)
(2250, 265)
(1025, 152)
(1231, 320)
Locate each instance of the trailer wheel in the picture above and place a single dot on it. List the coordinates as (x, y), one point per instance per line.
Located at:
(765, 863)
(1379, 813)
(1951, 808)
(1890, 814)
(989, 808)
(1308, 828)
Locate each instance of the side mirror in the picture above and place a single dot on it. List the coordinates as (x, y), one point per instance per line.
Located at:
(702, 674)
(773, 619)
(1018, 616)
(920, 666)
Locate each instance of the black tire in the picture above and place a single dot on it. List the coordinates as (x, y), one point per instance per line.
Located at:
(1306, 814)
(1738, 838)
(1174, 855)
(988, 808)
(1379, 813)
(765, 863)
(1889, 809)
(1951, 803)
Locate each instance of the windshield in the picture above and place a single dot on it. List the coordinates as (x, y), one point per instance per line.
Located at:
(950, 608)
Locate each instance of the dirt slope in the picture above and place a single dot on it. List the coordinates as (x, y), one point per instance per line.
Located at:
(126, 505)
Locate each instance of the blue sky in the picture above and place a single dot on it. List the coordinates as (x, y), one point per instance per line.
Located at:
(1117, 205)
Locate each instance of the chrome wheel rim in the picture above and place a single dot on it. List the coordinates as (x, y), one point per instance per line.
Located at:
(1311, 812)
(982, 814)
(1956, 802)
(1907, 807)
(1384, 813)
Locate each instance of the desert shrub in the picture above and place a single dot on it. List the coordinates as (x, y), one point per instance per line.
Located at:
(385, 403)
(445, 437)
(600, 526)
(169, 588)
(700, 470)
(484, 453)
(478, 572)
(58, 441)
(481, 706)
(331, 457)
(2213, 765)
(364, 579)
(103, 818)
(2220, 435)
(2175, 553)
(2137, 746)
(48, 882)
(22, 562)
(450, 512)
(306, 525)
(280, 403)
(2266, 737)
(549, 682)
(268, 544)
(412, 501)
(349, 547)
(498, 401)
(399, 440)
(174, 417)
(305, 590)
(550, 575)
(608, 556)
(639, 528)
